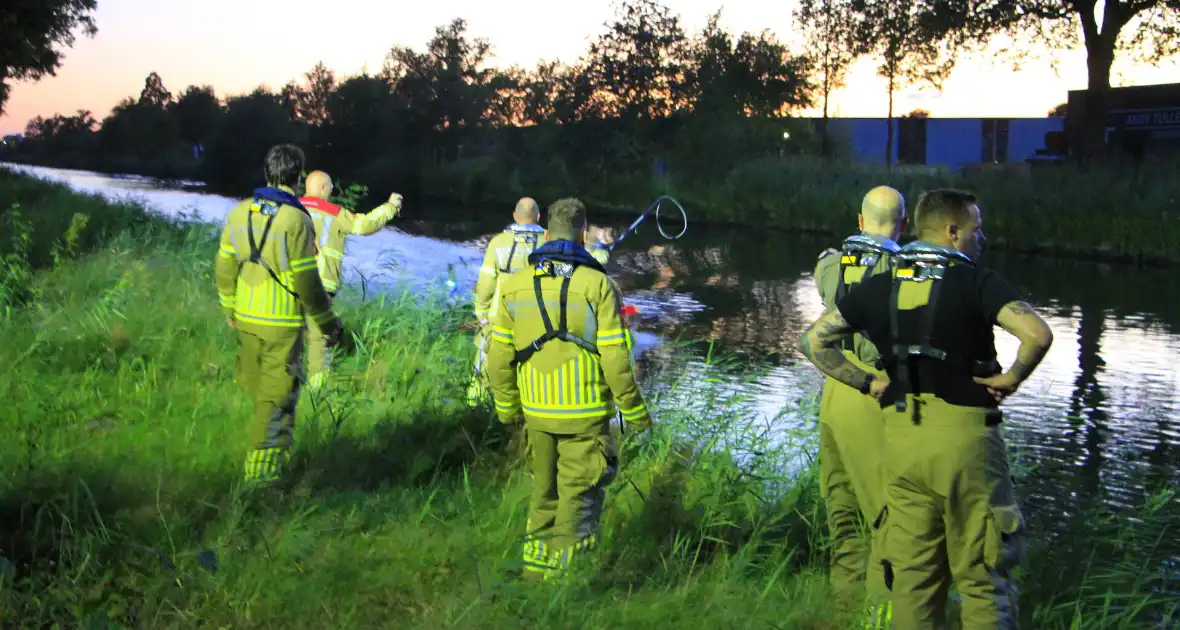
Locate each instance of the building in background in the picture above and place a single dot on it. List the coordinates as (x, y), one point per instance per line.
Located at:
(953, 143)
(1142, 121)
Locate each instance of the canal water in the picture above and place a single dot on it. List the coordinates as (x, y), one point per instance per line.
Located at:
(1096, 426)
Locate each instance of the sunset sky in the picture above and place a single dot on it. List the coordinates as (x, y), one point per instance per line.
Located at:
(236, 45)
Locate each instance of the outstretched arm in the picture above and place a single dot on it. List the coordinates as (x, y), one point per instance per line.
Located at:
(366, 224)
(821, 345)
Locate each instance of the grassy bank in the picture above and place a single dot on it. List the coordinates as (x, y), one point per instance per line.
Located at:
(1116, 214)
(125, 435)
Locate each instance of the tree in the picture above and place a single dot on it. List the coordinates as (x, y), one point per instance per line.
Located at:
(250, 126)
(636, 67)
(448, 89)
(918, 113)
(1148, 30)
(289, 98)
(312, 100)
(830, 31)
(754, 76)
(361, 126)
(915, 40)
(196, 114)
(1059, 110)
(35, 31)
(154, 92)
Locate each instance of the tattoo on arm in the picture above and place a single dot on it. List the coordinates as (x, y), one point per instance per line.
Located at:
(1029, 355)
(820, 344)
(1021, 309)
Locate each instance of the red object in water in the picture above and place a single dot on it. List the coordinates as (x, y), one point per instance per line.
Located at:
(629, 310)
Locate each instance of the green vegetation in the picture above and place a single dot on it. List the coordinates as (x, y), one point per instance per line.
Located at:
(1111, 214)
(125, 435)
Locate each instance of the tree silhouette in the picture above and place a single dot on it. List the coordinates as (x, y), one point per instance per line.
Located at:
(34, 33)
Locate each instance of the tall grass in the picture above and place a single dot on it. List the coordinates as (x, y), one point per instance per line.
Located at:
(1116, 213)
(125, 436)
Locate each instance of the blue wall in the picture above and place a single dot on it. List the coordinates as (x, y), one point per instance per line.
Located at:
(867, 137)
(1026, 135)
(954, 141)
(950, 142)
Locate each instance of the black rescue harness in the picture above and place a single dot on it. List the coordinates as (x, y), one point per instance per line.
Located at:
(270, 210)
(564, 270)
(530, 237)
(859, 251)
(919, 262)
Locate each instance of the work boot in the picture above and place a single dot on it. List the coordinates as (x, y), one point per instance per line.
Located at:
(264, 466)
(879, 617)
(538, 562)
(477, 394)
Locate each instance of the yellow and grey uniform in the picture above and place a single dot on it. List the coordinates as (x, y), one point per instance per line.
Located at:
(950, 509)
(333, 226)
(851, 431)
(599, 252)
(267, 283)
(507, 253)
(558, 358)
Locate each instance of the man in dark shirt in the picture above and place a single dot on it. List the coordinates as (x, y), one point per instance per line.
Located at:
(950, 508)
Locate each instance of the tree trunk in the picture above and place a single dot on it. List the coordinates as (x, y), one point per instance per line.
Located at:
(1098, 62)
(825, 146)
(1099, 57)
(889, 131)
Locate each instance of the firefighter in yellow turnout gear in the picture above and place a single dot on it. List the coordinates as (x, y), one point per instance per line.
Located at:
(851, 423)
(558, 363)
(951, 512)
(333, 226)
(267, 283)
(597, 241)
(507, 253)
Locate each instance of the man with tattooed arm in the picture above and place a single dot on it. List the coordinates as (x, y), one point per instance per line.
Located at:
(950, 511)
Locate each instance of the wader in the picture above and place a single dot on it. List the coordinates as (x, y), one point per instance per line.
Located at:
(570, 472)
(477, 388)
(270, 368)
(950, 512)
(851, 431)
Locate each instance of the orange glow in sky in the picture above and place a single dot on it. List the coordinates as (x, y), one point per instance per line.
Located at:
(237, 45)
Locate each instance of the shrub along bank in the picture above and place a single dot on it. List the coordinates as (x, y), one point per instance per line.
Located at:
(1106, 214)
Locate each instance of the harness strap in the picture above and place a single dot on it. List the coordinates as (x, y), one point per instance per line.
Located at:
(256, 249)
(901, 360)
(904, 357)
(532, 239)
(561, 332)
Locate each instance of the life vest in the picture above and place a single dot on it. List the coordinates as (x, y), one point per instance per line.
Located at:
(267, 202)
(922, 262)
(557, 259)
(859, 255)
(528, 235)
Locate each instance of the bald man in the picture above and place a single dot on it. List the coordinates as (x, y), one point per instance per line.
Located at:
(333, 225)
(851, 422)
(507, 253)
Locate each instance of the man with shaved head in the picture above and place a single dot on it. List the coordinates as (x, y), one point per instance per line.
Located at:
(333, 225)
(850, 422)
(507, 253)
